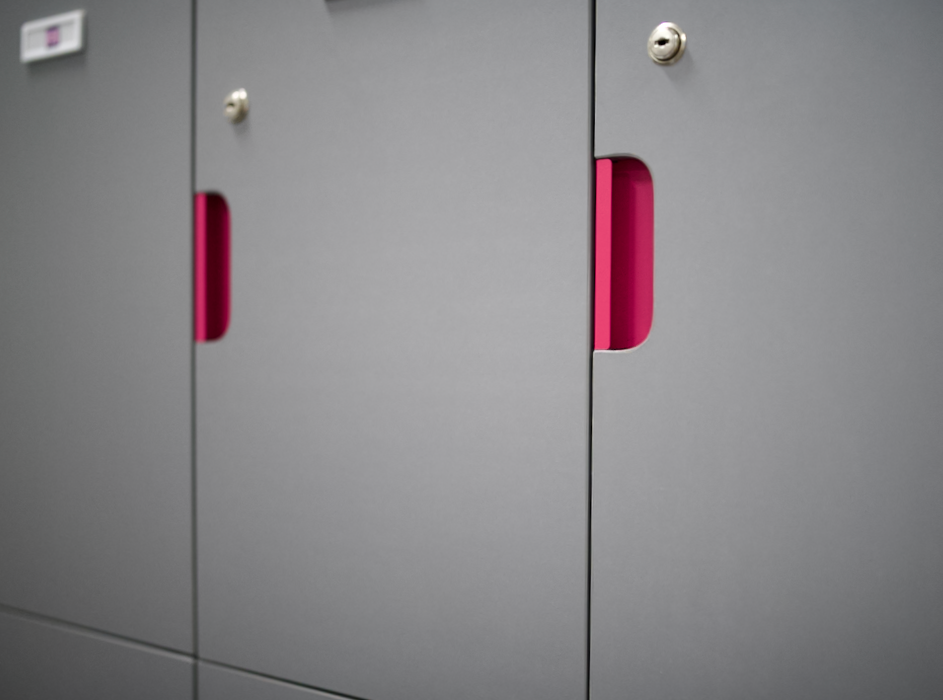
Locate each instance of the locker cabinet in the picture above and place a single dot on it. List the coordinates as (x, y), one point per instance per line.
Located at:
(767, 467)
(391, 443)
(95, 341)
(392, 435)
(47, 661)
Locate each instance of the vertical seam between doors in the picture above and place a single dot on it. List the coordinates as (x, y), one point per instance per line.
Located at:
(592, 330)
(193, 404)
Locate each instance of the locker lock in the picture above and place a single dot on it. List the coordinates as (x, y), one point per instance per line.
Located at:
(666, 44)
(237, 106)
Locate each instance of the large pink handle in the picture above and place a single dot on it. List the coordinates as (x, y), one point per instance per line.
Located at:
(211, 297)
(625, 254)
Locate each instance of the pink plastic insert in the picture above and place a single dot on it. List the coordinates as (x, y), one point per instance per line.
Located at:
(625, 254)
(211, 267)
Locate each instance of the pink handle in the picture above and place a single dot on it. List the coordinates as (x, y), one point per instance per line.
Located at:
(211, 254)
(625, 254)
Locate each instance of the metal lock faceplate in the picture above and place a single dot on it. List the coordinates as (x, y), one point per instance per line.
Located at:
(666, 43)
(237, 106)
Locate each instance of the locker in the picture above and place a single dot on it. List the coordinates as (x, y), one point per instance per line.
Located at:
(48, 661)
(95, 314)
(392, 433)
(327, 429)
(767, 465)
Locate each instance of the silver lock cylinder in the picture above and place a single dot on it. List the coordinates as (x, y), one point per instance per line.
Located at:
(666, 44)
(237, 106)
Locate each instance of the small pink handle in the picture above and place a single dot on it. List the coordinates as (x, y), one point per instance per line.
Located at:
(625, 254)
(211, 260)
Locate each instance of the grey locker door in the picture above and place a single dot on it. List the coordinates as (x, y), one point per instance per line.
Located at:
(768, 466)
(95, 337)
(43, 661)
(392, 455)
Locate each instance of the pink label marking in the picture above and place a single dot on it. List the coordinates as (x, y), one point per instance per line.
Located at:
(52, 36)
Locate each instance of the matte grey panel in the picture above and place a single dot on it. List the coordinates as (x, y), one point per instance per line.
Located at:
(768, 467)
(217, 683)
(39, 661)
(392, 440)
(95, 336)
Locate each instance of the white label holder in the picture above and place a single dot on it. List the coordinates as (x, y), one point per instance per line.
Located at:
(52, 36)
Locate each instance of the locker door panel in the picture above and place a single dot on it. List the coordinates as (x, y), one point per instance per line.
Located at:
(218, 683)
(95, 354)
(767, 466)
(42, 661)
(392, 434)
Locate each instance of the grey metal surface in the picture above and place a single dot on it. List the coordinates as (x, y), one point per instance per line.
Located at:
(768, 467)
(392, 437)
(216, 683)
(42, 661)
(95, 334)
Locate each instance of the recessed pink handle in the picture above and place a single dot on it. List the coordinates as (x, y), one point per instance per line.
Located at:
(625, 254)
(211, 255)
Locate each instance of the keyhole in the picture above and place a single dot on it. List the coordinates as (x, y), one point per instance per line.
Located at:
(236, 106)
(666, 43)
